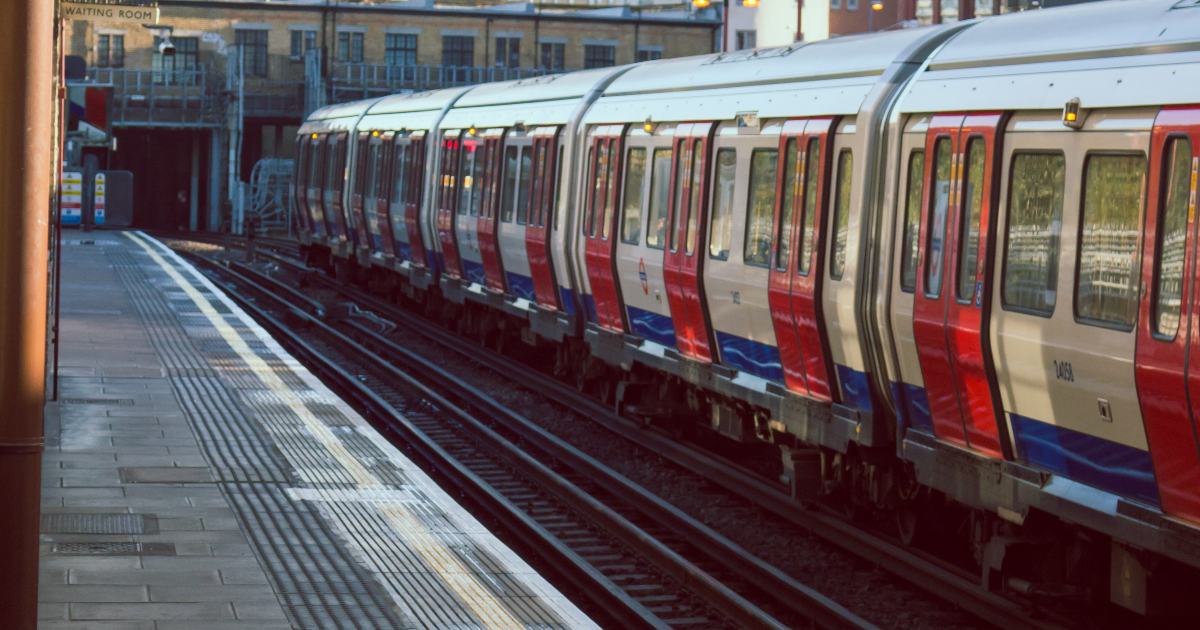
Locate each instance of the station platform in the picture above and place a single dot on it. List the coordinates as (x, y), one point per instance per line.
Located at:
(201, 477)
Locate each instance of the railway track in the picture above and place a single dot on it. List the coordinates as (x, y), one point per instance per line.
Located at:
(634, 556)
(930, 573)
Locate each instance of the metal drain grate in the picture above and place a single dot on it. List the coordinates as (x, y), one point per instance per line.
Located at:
(113, 549)
(125, 402)
(107, 524)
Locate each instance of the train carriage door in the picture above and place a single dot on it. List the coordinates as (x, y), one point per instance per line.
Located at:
(335, 184)
(1168, 360)
(600, 226)
(412, 175)
(299, 190)
(490, 188)
(358, 219)
(683, 256)
(313, 185)
(545, 143)
(382, 241)
(447, 203)
(794, 290)
(397, 195)
(950, 312)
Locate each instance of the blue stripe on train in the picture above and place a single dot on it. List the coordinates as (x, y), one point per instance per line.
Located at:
(568, 300)
(913, 403)
(1117, 468)
(589, 306)
(856, 390)
(652, 326)
(751, 357)
(474, 271)
(520, 286)
(403, 250)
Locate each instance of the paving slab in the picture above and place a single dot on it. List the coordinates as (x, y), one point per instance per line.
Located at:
(237, 476)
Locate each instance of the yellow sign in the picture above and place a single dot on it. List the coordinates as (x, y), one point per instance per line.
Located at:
(136, 11)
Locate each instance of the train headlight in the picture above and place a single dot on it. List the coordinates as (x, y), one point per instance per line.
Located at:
(648, 126)
(1072, 115)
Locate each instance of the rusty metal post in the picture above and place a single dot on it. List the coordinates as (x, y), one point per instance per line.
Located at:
(26, 115)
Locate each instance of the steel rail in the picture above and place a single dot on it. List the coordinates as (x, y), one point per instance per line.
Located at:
(927, 573)
(737, 608)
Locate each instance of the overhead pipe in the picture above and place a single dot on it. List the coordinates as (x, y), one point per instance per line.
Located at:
(26, 113)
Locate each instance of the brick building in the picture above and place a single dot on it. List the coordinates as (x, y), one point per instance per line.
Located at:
(246, 72)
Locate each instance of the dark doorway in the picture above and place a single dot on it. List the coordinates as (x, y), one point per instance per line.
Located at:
(161, 162)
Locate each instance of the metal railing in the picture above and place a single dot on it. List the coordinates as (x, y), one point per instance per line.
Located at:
(274, 99)
(363, 80)
(160, 96)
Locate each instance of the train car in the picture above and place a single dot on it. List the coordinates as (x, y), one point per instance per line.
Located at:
(852, 251)
(1038, 241)
(501, 209)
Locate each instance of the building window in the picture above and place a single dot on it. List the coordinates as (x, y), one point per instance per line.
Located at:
(179, 69)
(835, 4)
(745, 40)
(401, 49)
(458, 54)
(649, 54)
(851, 5)
(350, 47)
(599, 55)
(302, 42)
(110, 51)
(508, 52)
(254, 51)
(553, 56)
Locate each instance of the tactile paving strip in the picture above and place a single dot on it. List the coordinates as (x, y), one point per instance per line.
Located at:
(300, 470)
(315, 577)
(118, 524)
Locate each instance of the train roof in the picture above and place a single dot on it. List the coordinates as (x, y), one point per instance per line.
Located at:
(417, 101)
(352, 109)
(826, 77)
(545, 100)
(1119, 53)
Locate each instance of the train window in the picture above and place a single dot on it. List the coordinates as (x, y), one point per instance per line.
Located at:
(558, 161)
(912, 221)
(523, 186)
(1107, 283)
(331, 171)
(315, 161)
(721, 221)
(399, 169)
(1032, 242)
(680, 179)
(510, 184)
(372, 186)
(631, 210)
(599, 186)
(590, 191)
(660, 178)
(694, 198)
(1172, 236)
(540, 186)
(791, 183)
(943, 159)
(841, 215)
(610, 189)
(969, 221)
(812, 175)
(764, 167)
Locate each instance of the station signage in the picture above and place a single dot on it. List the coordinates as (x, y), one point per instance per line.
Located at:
(108, 11)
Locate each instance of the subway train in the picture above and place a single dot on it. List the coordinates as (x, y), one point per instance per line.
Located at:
(850, 254)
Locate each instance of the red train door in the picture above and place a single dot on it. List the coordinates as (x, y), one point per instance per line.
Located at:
(600, 223)
(1167, 360)
(953, 298)
(414, 174)
(683, 257)
(545, 149)
(489, 245)
(794, 289)
(447, 203)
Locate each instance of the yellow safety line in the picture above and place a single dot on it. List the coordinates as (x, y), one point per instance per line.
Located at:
(403, 522)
